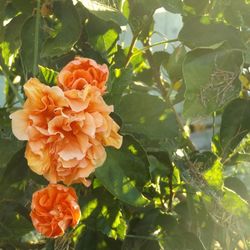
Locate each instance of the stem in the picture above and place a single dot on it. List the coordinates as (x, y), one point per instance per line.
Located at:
(214, 117)
(36, 42)
(130, 51)
(10, 83)
(147, 48)
(171, 193)
(155, 44)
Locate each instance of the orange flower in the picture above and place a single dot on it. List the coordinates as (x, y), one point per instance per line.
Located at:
(54, 209)
(82, 71)
(66, 131)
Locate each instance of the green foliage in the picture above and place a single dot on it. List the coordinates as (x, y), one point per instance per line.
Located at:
(161, 190)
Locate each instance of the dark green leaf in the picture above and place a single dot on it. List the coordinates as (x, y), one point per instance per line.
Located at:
(12, 33)
(195, 34)
(233, 130)
(8, 144)
(174, 64)
(70, 32)
(119, 84)
(147, 115)
(237, 186)
(28, 43)
(174, 6)
(3, 4)
(16, 170)
(140, 14)
(198, 6)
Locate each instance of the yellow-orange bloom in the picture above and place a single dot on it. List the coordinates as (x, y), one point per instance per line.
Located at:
(66, 131)
(54, 209)
(81, 72)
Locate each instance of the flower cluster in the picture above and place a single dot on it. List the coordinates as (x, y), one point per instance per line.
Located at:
(67, 127)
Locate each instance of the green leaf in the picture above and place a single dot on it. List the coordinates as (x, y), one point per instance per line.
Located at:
(8, 144)
(247, 54)
(119, 84)
(25, 7)
(211, 81)
(146, 115)
(125, 172)
(28, 43)
(105, 43)
(174, 6)
(101, 210)
(47, 76)
(13, 227)
(3, 4)
(105, 12)
(234, 204)
(237, 186)
(12, 32)
(16, 170)
(70, 31)
(195, 34)
(214, 175)
(233, 130)
(174, 64)
(90, 239)
(198, 6)
(140, 14)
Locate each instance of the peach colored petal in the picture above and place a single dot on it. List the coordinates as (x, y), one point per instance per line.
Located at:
(20, 123)
(83, 142)
(39, 163)
(114, 139)
(71, 150)
(89, 127)
(34, 90)
(77, 99)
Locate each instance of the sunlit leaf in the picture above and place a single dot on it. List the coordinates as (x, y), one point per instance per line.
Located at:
(210, 81)
(47, 76)
(125, 171)
(105, 12)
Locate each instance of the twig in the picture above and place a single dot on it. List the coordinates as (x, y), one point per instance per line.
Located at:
(36, 42)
